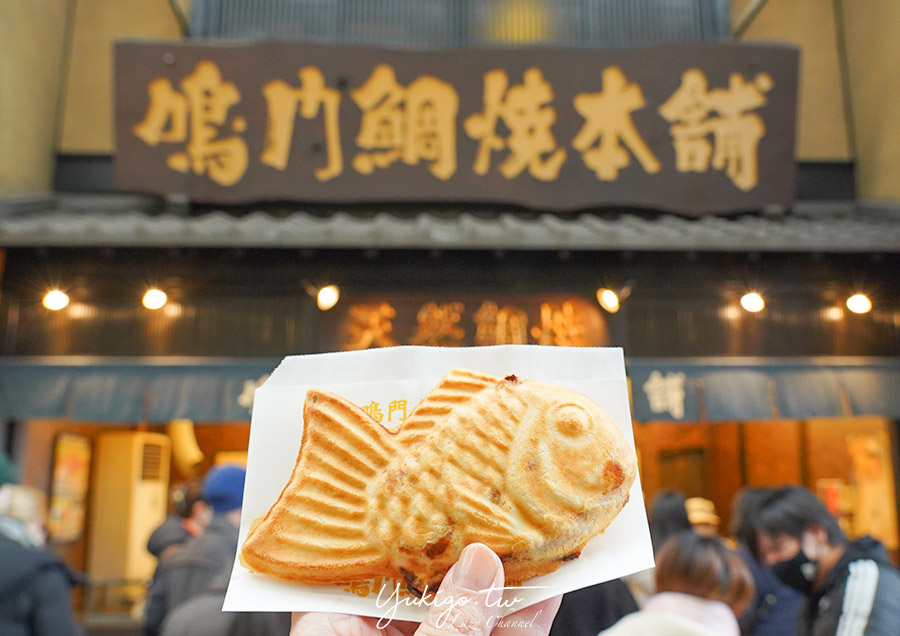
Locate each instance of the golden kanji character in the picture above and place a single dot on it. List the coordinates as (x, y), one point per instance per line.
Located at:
(283, 102)
(495, 326)
(198, 115)
(374, 409)
(736, 133)
(412, 124)
(399, 406)
(439, 325)
(560, 325)
(360, 588)
(689, 106)
(607, 117)
(167, 106)
(370, 326)
(523, 111)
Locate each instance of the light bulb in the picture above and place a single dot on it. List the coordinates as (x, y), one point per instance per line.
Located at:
(55, 300)
(328, 297)
(154, 299)
(608, 300)
(859, 304)
(753, 302)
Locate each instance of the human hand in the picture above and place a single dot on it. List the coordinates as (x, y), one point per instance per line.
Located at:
(466, 604)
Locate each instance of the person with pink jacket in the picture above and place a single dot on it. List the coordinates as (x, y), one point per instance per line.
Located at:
(702, 586)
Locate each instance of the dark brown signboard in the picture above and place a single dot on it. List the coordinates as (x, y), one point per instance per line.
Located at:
(692, 128)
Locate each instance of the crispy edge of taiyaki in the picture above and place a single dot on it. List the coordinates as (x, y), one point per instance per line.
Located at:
(329, 541)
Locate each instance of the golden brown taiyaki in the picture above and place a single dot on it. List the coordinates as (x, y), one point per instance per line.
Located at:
(530, 469)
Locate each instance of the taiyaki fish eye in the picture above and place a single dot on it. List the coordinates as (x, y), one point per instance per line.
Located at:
(572, 420)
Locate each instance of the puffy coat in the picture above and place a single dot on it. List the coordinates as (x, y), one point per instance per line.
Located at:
(35, 589)
(189, 572)
(859, 597)
(203, 616)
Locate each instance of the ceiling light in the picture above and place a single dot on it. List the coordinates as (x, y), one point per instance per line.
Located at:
(327, 297)
(155, 299)
(753, 302)
(834, 314)
(608, 299)
(859, 304)
(55, 300)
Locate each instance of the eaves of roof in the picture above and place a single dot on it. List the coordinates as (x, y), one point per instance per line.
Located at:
(123, 221)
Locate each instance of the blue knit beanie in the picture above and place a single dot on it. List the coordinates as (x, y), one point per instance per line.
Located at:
(223, 487)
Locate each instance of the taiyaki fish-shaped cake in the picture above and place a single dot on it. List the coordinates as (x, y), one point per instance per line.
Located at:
(530, 469)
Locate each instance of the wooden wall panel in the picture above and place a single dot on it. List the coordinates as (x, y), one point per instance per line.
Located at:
(725, 467)
(856, 453)
(655, 438)
(698, 459)
(773, 452)
(828, 455)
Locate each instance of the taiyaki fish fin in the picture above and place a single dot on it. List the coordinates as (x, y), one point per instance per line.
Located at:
(459, 385)
(318, 528)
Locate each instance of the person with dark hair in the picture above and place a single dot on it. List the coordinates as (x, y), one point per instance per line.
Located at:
(191, 569)
(775, 607)
(193, 515)
(668, 516)
(702, 587)
(188, 598)
(850, 588)
(192, 518)
(202, 615)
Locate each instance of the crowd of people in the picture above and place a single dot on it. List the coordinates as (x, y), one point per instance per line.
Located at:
(785, 567)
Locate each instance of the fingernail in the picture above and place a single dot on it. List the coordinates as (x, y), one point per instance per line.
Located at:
(477, 568)
(545, 613)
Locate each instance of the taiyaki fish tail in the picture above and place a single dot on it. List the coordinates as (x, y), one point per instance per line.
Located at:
(317, 530)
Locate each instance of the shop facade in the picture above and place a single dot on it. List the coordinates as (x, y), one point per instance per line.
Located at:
(429, 251)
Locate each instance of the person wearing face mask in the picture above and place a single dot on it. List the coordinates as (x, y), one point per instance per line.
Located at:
(850, 587)
(776, 606)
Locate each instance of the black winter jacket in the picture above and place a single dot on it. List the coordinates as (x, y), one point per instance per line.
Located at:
(189, 572)
(592, 609)
(34, 592)
(859, 597)
(203, 615)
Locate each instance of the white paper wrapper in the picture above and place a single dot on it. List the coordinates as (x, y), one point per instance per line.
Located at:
(392, 375)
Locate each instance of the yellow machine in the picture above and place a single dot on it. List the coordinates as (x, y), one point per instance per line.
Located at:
(128, 502)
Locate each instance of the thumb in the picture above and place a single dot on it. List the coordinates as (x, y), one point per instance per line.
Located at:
(471, 591)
